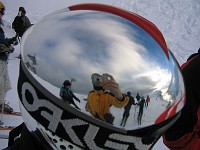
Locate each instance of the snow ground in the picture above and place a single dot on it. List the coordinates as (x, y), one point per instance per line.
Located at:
(178, 20)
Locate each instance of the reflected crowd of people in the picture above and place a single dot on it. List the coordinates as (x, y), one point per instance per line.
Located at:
(103, 97)
(140, 102)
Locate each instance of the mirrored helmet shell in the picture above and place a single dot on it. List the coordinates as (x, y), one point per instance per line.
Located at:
(97, 38)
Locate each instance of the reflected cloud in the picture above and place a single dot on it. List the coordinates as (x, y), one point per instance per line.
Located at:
(81, 43)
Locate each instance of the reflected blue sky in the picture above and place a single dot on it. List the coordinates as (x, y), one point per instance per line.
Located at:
(77, 44)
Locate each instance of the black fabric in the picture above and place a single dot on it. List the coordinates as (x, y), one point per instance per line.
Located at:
(19, 25)
(127, 109)
(26, 142)
(12, 40)
(13, 134)
(188, 118)
(5, 42)
(3, 39)
(22, 10)
(193, 55)
(68, 96)
(130, 103)
(109, 118)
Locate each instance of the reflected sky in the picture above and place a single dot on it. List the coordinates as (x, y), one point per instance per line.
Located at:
(77, 44)
(72, 45)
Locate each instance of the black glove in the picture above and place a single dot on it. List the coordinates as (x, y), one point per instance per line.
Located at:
(12, 40)
(6, 49)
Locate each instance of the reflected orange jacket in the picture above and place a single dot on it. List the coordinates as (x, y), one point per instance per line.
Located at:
(99, 103)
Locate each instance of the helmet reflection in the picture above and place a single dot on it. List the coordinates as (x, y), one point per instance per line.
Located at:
(115, 70)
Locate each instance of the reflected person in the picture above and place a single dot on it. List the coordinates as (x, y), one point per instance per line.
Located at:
(127, 109)
(67, 95)
(105, 94)
(147, 101)
(141, 108)
(138, 97)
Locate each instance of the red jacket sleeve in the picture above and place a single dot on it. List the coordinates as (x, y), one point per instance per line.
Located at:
(185, 132)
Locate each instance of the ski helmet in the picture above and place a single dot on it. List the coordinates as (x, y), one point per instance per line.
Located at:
(67, 83)
(97, 38)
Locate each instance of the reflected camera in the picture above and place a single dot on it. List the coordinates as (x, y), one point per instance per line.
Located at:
(97, 78)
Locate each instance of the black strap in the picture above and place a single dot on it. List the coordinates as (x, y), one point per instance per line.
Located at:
(14, 133)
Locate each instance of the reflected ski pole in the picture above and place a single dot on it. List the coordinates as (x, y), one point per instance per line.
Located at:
(135, 112)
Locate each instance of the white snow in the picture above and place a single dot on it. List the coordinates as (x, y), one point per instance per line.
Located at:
(179, 21)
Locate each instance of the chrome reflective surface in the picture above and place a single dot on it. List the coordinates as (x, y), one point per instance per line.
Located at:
(73, 45)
